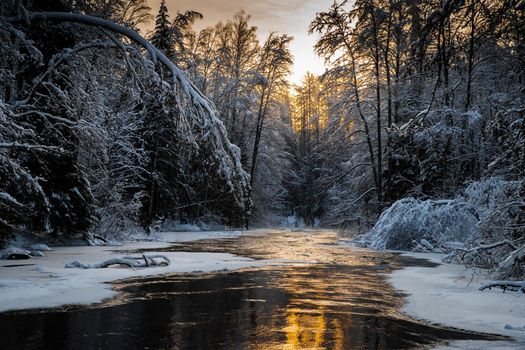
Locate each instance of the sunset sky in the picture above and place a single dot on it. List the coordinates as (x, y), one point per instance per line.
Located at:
(284, 16)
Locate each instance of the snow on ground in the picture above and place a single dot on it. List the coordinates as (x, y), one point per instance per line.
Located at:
(44, 282)
(449, 295)
(446, 294)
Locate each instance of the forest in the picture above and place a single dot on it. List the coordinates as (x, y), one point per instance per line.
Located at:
(414, 136)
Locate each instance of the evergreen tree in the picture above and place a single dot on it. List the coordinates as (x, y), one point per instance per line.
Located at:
(163, 34)
(91, 135)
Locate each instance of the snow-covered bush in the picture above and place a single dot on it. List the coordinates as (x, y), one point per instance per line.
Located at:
(497, 203)
(484, 213)
(409, 220)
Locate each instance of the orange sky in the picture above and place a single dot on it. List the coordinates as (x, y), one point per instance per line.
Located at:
(284, 16)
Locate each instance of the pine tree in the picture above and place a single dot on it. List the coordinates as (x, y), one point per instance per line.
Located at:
(163, 36)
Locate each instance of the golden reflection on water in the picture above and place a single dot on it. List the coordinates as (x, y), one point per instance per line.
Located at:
(304, 331)
(310, 321)
(338, 300)
(318, 315)
(325, 296)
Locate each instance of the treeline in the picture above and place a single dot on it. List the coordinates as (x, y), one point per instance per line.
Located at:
(100, 131)
(421, 99)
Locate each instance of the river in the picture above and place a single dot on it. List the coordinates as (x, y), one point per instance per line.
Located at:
(326, 296)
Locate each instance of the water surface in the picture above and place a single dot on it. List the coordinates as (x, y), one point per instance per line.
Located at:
(330, 297)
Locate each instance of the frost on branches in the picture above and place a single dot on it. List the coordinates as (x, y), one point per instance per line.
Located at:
(99, 130)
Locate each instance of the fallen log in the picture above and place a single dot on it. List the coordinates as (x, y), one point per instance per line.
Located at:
(132, 262)
(514, 286)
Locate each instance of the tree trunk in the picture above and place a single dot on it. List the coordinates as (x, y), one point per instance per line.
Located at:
(470, 57)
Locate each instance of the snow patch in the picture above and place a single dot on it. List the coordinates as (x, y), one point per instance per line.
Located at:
(431, 291)
(50, 284)
(479, 344)
(40, 247)
(9, 252)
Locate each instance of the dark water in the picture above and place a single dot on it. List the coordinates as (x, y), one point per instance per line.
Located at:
(339, 302)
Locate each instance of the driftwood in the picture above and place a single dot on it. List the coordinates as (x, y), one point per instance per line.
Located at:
(130, 261)
(514, 286)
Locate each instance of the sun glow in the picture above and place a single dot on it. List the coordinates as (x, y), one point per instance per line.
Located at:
(309, 106)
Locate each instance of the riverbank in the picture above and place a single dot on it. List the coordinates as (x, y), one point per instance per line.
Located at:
(44, 282)
(449, 295)
(309, 293)
(440, 294)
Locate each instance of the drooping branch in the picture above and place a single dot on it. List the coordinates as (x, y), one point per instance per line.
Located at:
(197, 113)
(54, 64)
(155, 54)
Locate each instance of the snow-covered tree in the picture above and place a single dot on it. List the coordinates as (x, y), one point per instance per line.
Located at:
(163, 35)
(75, 127)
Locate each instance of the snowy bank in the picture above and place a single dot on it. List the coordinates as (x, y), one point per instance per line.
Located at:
(449, 295)
(45, 282)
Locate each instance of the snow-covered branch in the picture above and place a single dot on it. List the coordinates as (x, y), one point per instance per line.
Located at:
(487, 247)
(155, 54)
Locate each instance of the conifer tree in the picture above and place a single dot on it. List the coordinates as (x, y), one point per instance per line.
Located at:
(163, 36)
